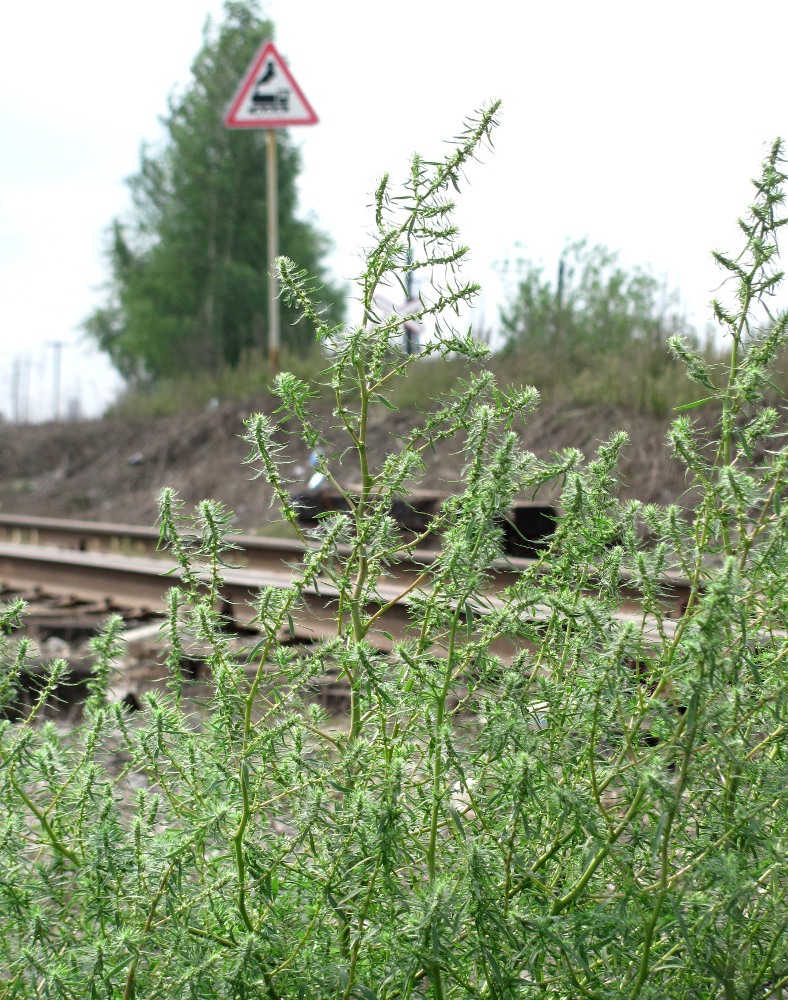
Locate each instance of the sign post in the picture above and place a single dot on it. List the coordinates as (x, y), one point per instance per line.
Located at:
(273, 252)
(269, 98)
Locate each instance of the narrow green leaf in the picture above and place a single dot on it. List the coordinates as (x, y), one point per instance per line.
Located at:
(745, 444)
(457, 819)
(379, 398)
(692, 406)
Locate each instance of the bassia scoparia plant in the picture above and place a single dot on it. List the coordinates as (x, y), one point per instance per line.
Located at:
(539, 792)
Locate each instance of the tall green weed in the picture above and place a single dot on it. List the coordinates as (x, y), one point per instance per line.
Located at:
(537, 793)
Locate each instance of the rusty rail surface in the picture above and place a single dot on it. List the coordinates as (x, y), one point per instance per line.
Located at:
(269, 555)
(141, 582)
(122, 565)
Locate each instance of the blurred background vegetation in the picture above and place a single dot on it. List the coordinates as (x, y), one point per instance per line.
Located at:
(186, 292)
(185, 321)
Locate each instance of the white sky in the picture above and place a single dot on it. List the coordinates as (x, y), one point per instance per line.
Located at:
(637, 125)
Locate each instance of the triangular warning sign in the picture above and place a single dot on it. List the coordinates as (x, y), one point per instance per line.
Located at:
(268, 96)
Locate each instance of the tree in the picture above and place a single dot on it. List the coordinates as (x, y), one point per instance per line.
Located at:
(595, 307)
(188, 268)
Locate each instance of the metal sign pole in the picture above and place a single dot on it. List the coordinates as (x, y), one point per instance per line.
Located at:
(269, 98)
(273, 253)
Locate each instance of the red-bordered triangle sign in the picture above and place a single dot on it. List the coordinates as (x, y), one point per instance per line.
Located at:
(268, 96)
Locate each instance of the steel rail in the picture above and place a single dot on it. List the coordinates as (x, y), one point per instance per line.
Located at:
(140, 582)
(271, 555)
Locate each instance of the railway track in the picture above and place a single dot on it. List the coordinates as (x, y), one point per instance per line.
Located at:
(119, 567)
(114, 553)
(75, 572)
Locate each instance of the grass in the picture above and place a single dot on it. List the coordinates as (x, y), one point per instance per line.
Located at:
(644, 381)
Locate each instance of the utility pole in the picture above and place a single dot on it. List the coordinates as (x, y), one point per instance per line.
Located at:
(15, 391)
(58, 347)
(410, 328)
(20, 389)
(559, 306)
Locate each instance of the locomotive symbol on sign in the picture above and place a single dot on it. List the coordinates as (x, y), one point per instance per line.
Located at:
(266, 101)
(280, 101)
(268, 96)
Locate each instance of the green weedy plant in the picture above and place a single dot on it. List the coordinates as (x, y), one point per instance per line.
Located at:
(536, 794)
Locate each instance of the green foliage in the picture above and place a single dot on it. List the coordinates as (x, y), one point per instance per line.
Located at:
(538, 791)
(188, 269)
(595, 308)
(196, 392)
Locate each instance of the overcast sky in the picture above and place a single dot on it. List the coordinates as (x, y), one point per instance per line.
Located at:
(637, 125)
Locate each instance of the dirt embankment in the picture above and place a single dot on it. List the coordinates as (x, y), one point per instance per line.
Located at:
(110, 470)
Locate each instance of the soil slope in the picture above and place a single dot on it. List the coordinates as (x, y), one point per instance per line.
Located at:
(111, 470)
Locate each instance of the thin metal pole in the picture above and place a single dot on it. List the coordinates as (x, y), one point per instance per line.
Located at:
(410, 333)
(16, 377)
(58, 348)
(273, 253)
